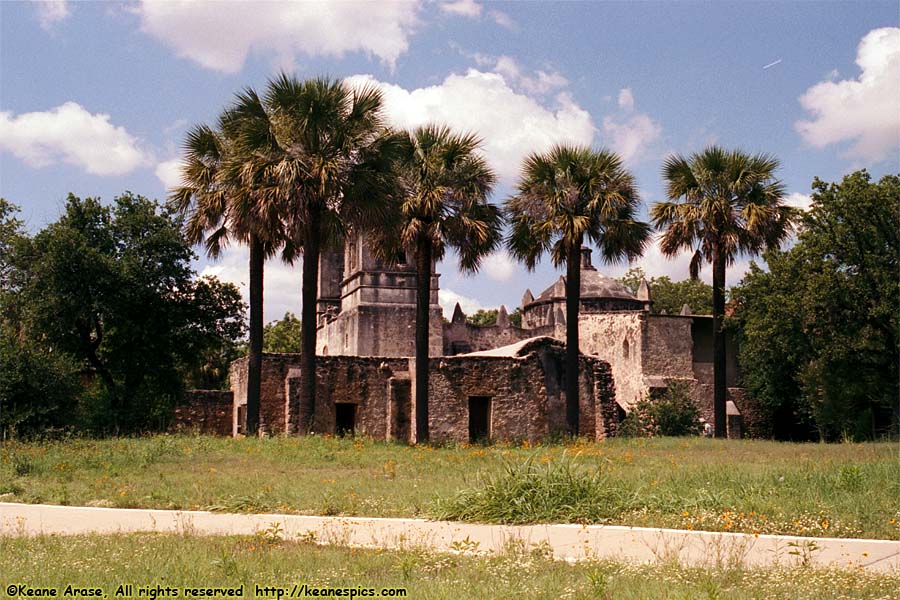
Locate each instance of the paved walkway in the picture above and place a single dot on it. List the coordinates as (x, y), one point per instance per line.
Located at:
(569, 542)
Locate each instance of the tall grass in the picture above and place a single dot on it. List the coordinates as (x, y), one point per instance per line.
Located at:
(534, 491)
(835, 490)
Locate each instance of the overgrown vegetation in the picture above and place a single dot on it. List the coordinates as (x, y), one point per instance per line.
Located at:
(673, 413)
(561, 491)
(820, 330)
(103, 321)
(282, 335)
(671, 296)
(520, 572)
(833, 490)
(487, 317)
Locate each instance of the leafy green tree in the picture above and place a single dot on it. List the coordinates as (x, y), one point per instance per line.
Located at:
(38, 388)
(284, 335)
(565, 197)
(483, 318)
(671, 296)
(445, 183)
(10, 233)
(819, 329)
(721, 204)
(112, 288)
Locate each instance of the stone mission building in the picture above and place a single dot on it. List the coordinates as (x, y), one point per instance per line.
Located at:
(501, 382)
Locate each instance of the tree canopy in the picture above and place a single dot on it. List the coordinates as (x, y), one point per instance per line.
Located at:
(671, 296)
(819, 329)
(283, 335)
(111, 288)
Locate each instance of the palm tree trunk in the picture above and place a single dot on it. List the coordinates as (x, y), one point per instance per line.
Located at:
(254, 359)
(423, 304)
(719, 387)
(573, 299)
(311, 247)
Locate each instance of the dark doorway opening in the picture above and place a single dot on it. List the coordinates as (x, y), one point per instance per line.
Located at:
(344, 418)
(242, 419)
(479, 419)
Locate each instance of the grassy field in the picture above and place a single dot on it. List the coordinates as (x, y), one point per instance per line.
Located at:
(835, 490)
(186, 561)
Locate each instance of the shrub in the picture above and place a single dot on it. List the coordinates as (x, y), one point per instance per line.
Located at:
(37, 388)
(672, 414)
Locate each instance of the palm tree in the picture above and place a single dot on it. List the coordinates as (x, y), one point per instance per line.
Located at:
(326, 162)
(564, 196)
(722, 204)
(221, 207)
(445, 183)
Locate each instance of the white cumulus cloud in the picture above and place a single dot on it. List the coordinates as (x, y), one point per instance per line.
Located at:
(542, 82)
(282, 282)
(631, 134)
(448, 299)
(626, 99)
(512, 124)
(51, 12)
(499, 266)
(72, 135)
(798, 200)
(865, 110)
(220, 35)
(502, 19)
(169, 172)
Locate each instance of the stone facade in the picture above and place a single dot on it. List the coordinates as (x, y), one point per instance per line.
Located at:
(521, 386)
(205, 411)
(367, 307)
(500, 382)
(644, 350)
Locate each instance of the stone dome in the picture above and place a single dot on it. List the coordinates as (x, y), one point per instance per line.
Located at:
(599, 294)
(594, 285)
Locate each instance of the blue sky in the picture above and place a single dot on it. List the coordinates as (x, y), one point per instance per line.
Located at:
(95, 98)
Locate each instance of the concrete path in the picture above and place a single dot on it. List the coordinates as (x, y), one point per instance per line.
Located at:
(568, 542)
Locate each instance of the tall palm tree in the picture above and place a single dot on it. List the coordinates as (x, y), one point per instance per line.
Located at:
(325, 161)
(221, 207)
(445, 184)
(721, 204)
(565, 196)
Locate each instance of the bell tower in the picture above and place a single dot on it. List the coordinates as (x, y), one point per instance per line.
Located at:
(375, 311)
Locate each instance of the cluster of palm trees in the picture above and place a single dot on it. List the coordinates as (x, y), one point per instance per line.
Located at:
(293, 171)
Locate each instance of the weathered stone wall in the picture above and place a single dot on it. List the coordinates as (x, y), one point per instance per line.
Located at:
(752, 416)
(378, 330)
(273, 390)
(527, 397)
(618, 339)
(369, 383)
(461, 338)
(701, 332)
(667, 348)
(206, 411)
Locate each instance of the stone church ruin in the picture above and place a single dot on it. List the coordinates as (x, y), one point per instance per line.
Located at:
(499, 382)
